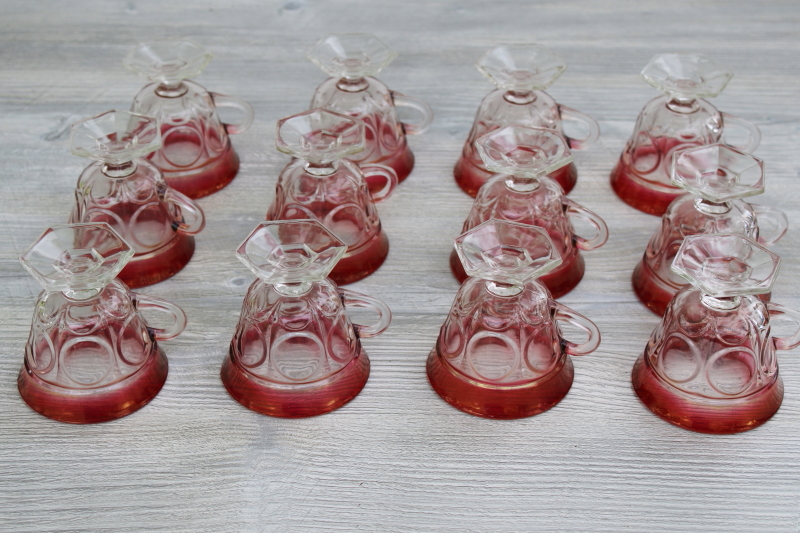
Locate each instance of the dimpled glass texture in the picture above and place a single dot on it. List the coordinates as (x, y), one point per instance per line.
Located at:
(710, 365)
(500, 353)
(295, 352)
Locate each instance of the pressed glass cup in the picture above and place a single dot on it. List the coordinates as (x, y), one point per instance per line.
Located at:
(91, 356)
(717, 178)
(710, 365)
(352, 60)
(295, 352)
(321, 184)
(678, 120)
(521, 73)
(127, 192)
(197, 157)
(523, 158)
(500, 352)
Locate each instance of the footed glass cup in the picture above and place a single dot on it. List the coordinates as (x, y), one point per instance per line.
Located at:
(196, 158)
(295, 352)
(127, 192)
(710, 365)
(523, 192)
(500, 352)
(352, 60)
(321, 184)
(91, 356)
(678, 120)
(717, 178)
(521, 73)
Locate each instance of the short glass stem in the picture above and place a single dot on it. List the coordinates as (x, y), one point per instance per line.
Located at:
(683, 104)
(352, 85)
(522, 183)
(119, 170)
(520, 97)
(293, 289)
(321, 169)
(711, 208)
(503, 289)
(171, 89)
(84, 294)
(725, 303)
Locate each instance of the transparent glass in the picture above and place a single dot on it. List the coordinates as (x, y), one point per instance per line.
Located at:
(710, 365)
(717, 178)
(90, 355)
(521, 73)
(678, 120)
(129, 194)
(352, 60)
(295, 352)
(319, 185)
(523, 192)
(197, 157)
(500, 352)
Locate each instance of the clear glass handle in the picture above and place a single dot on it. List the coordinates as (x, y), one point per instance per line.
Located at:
(567, 113)
(356, 299)
(793, 340)
(578, 211)
(776, 223)
(401, 100)
(568, 315)
(373, 175)
(221, 100)
(755, 133)
(192, 220)
(179, 317)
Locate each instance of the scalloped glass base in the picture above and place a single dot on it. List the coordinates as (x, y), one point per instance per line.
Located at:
(160, 264)
(639, 194)
(471, 177)
(656, 294)
(297, 400)
(360, 263)
(88, 406)
(199, 181)
(559, 282)
(705, 415)
(495, 401)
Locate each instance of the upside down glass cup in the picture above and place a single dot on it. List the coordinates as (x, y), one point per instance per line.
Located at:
(717, 178)
(522, 192)
(125, 191)
(197, 157)
(295, 352)
(500, 352)
(521, 73)
(321, 184)
(678, 120)
(91, 356)
(710, 365)
(352, 60)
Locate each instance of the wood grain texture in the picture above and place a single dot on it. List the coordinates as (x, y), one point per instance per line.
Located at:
(397, 458)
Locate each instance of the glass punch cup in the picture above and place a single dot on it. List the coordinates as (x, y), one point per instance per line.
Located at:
(91, 356)
(500, 352)
(295, 352)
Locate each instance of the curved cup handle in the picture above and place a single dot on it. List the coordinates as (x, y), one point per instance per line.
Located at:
(374, 175)
(567, 113)
(192, 219)
(356, 299)
(401, 100)
(776, 222)
(755, 133)
(179, 317)
(221, 100)
(793, 340)
(562, 312)
(578, 211)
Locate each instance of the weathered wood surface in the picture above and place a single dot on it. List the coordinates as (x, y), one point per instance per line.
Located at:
(397, 458)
